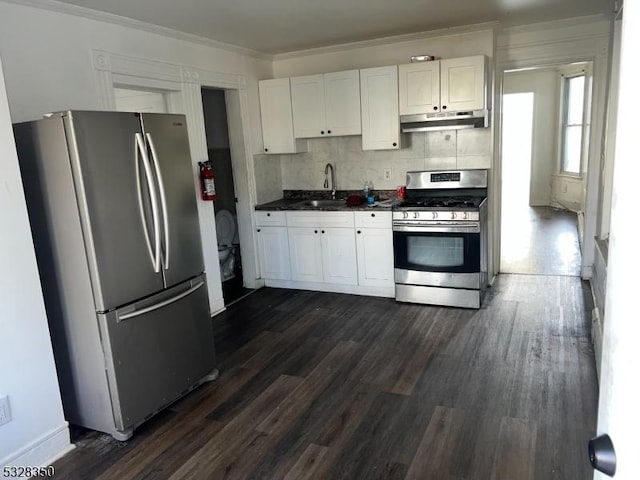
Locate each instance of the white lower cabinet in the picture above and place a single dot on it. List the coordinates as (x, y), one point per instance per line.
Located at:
(274, 253)
(349, 252)
(322, 247)
(305, 253)
(339, 256)
(374, 246)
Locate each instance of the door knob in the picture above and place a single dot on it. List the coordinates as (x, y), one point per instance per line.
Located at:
(602, 455)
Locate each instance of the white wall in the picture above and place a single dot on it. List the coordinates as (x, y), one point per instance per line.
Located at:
(48, 61)
(38, 431)
(544, 84)
(567, 192)
(49, 65)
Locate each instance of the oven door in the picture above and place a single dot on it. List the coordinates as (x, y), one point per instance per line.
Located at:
(436, 251)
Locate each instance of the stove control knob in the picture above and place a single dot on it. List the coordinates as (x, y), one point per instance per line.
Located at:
(405, 214)
(435, 215)
(466, 215)
(453, 215)
(416, 215)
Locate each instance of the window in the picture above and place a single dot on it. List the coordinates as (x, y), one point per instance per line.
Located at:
(572, 113)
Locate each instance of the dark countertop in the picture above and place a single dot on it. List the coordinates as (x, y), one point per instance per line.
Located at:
(295, 200)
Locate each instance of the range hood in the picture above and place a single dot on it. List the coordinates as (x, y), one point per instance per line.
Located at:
(429, 122)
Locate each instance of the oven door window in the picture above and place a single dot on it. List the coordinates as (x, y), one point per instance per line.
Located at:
(437, 252)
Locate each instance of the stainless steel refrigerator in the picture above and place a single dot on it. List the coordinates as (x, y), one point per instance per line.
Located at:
(112, 207)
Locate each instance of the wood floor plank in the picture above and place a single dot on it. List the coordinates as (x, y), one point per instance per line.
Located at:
(434, 455)
(307, 465)
(307, 390)
(516, 450)
(237, 433)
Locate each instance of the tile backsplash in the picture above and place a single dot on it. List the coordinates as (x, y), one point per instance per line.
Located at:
(448, 149)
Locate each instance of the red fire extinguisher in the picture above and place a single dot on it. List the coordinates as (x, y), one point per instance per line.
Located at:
(207, 185)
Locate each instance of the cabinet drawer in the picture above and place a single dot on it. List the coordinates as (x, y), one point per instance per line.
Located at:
(373, 219)
(319, 219)
(271, 219)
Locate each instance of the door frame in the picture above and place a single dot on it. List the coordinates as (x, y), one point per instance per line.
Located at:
(520, 48)
(183, 86)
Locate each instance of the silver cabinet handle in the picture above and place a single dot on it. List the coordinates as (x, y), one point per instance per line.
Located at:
(163, 201)
(164, 303)
(154, 251)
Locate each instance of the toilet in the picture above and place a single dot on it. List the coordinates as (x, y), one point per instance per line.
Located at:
(227, 238)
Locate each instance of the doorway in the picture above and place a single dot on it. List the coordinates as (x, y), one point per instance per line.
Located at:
(540, 204)
(219, 154)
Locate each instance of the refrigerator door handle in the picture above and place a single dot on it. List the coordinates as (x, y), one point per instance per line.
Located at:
(141, 151)
(162, 304)
(163, 201)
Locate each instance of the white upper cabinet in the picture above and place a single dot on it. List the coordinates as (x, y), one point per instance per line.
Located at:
(463, 83)
(450, 85)
(276, 116)
(342, 102)
(419, 85)
(379, 102)
(326, 105)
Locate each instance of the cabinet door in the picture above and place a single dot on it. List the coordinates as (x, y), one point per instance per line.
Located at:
(419, 88)
(339, 256)
(275, 112)
(375, 257)
(305, 254)
(274, 253)
(379, 101)
(342, 102)
(462, 84)
(307, 100)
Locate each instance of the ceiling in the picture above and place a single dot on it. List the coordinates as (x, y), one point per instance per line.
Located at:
(277, 26)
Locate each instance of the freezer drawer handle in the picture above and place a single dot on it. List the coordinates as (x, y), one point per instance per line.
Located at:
(141, 151)
(162, 304)
(163, 201)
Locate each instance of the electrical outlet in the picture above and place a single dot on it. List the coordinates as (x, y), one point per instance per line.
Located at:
(387, 174)
(5, 413)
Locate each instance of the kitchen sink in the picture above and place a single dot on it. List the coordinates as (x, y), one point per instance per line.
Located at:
(324, 203)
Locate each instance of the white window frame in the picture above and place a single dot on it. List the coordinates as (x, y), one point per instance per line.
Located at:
(565, 75)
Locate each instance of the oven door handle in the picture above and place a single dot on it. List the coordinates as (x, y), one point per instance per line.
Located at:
(459, 227)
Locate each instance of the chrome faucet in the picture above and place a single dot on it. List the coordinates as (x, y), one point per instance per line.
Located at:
(333, 179)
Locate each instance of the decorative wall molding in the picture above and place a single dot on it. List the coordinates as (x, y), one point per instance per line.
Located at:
(75, 10)
(184, 84)
(131, 66)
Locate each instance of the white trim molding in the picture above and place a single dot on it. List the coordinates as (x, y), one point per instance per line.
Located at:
(583, 39)
(184, 85)
(43, 451)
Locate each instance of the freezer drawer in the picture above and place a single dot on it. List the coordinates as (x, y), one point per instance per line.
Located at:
(156, 350)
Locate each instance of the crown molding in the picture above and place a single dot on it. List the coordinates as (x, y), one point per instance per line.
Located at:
(408, 37)
(77, 11)
(555, 24)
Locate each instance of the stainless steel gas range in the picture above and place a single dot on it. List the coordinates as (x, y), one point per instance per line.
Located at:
(440, 239)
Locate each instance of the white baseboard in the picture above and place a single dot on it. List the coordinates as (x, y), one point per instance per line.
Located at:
(596, 336)
(42, 451)
(217, 307)
(389, 292)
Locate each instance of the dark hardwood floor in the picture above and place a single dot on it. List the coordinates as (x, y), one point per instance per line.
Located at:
(329, 386)
(540, 241)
